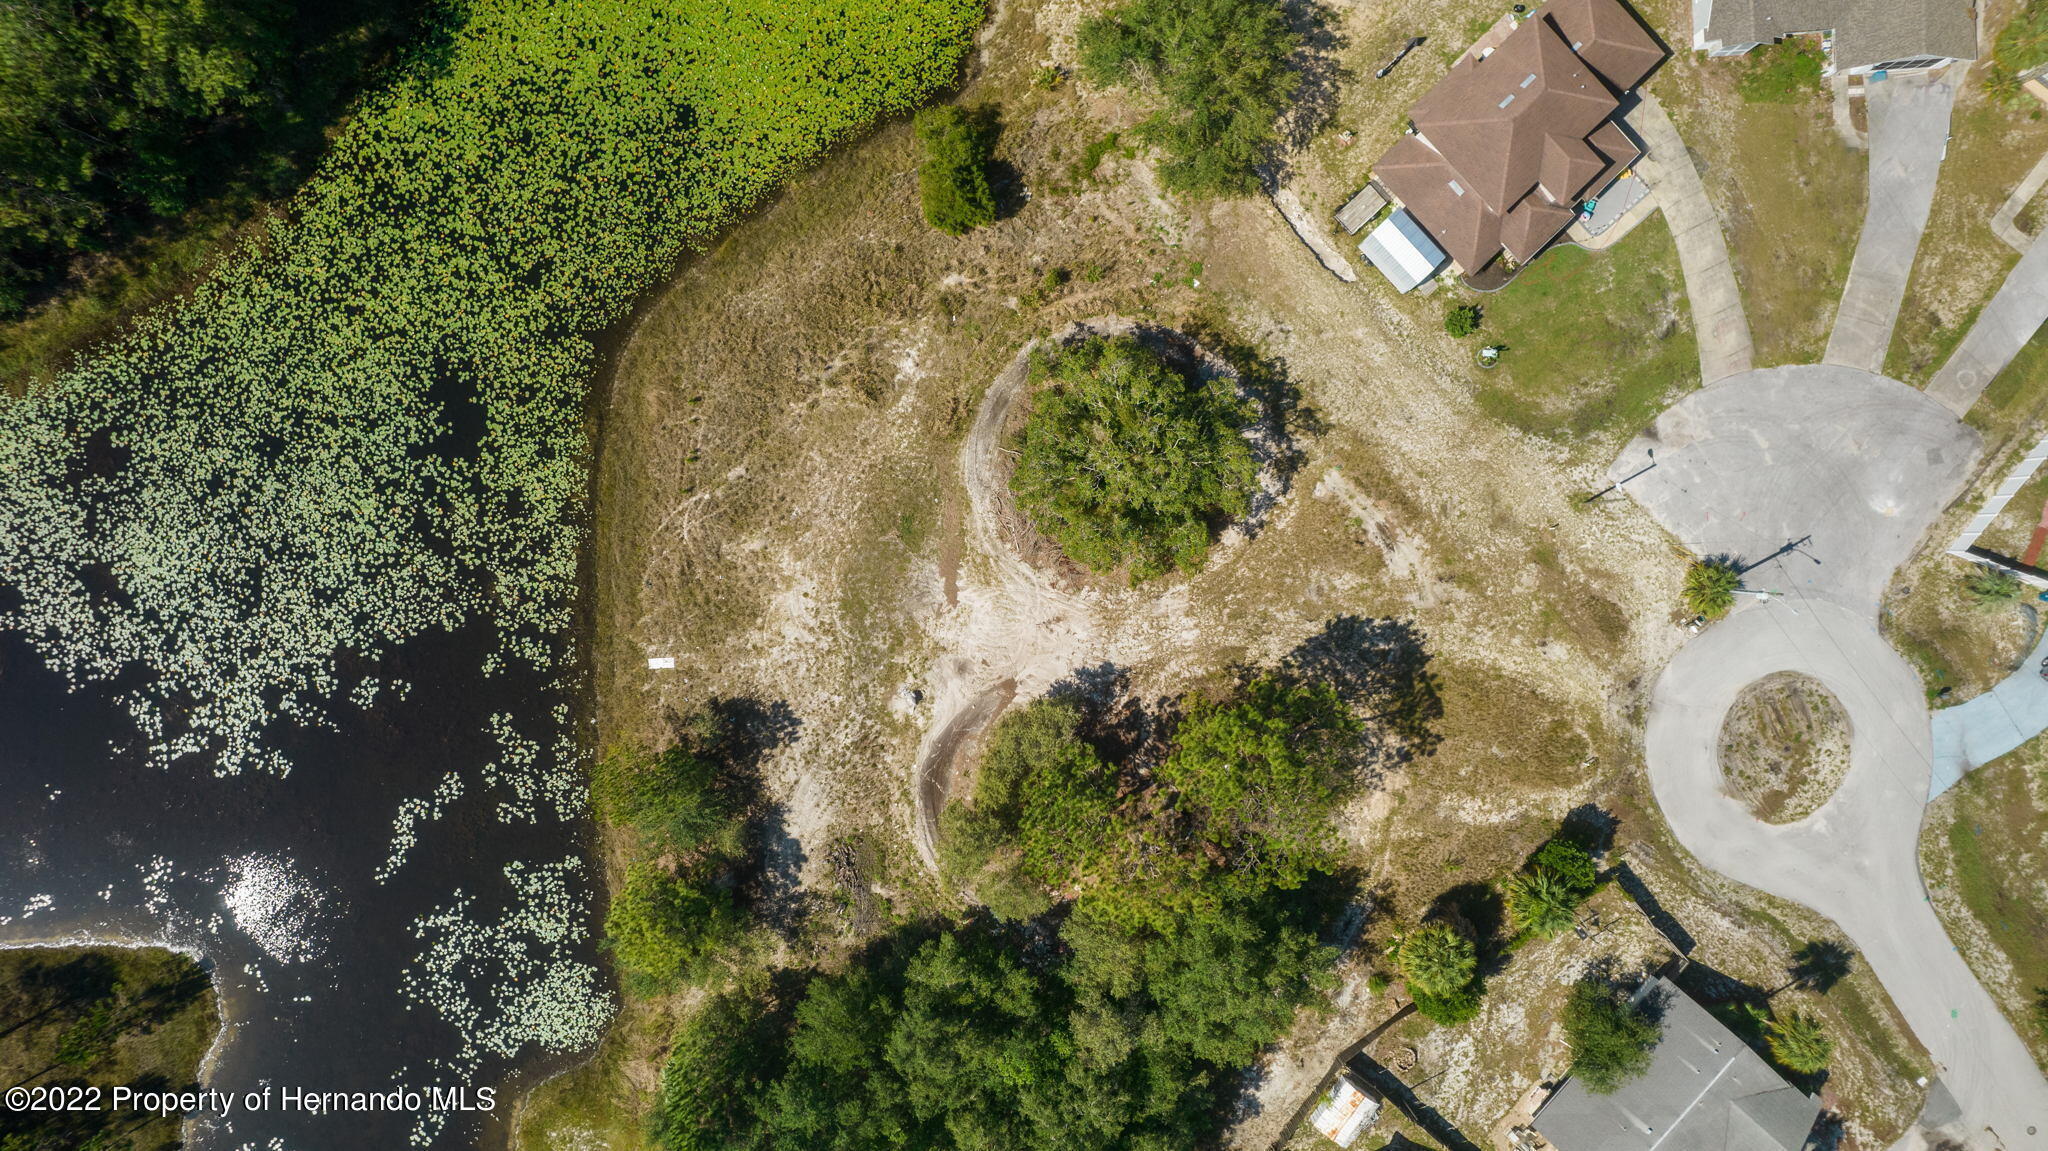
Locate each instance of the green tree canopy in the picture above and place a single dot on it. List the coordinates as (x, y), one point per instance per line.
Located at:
(1611, 1038)
(660, 928)
(1127, 461)
(1222, 72)
(680, 799)
(1540, 902)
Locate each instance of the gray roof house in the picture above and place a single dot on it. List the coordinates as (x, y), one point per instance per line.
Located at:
(1706, 1090)
(1869, 35)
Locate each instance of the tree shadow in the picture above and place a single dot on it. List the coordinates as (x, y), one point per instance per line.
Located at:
(1818, 966)
(1590, 826)
(1480, 908)
(1380, 668)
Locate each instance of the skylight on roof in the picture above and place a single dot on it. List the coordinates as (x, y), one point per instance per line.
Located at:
(1455, 188)
(1507, 99)
(1529, 79)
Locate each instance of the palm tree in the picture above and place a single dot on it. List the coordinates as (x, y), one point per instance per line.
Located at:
(1438, 961)
(1797, 1042)
(1541, 902)
(1990, 588)
(1710, 586)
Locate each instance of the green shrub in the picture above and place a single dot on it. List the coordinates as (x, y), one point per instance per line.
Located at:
(660, 928)
(677, 799)
(1782, 73)
(1991, 588)
(1462, 320)
(1568, 860)
(1127, 462)
(1221, 69)
(1459, 1006)
(953, 180)
(2021, 46)
(1798, 1043)
(1710, 587)
(1612, 1040)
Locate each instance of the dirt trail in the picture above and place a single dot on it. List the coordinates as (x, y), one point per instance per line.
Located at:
(1011, 633)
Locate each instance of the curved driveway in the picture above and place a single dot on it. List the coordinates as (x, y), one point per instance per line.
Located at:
(1822, 478)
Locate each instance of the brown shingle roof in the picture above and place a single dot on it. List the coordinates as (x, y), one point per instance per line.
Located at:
(1508, 144)
(1452, 213)
(1489, 117)
(1608, 37)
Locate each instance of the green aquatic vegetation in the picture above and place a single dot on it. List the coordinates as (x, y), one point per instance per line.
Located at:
(371, 427)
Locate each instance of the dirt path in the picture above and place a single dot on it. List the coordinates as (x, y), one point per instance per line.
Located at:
(1012, 632)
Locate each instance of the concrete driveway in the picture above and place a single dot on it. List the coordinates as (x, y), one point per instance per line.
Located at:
(2002, 328)
(1718, 320)
(1909, 118)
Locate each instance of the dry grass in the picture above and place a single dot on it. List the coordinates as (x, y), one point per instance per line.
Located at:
(1789, 190)
(1961, 261)
(1981, 849)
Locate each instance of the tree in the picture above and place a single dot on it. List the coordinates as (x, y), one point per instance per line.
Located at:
(1222, 70)
(1462, 320)
(1991, 588)
(1568, 860)
(660, 928)
(1710, 586)
(722, 1059)
(1611, 1038)
(953, 181)
(1128, 461)
(1798, 1043)
(1540, 902)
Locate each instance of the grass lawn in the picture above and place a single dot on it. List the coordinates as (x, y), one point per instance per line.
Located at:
(1790, 193)
(1981, 851)
(1961, 262)
(2013, 403)
(1959, 650)
(1598, 342)
(105, 1017)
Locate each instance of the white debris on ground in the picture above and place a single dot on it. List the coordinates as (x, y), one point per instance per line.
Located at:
(275, 906)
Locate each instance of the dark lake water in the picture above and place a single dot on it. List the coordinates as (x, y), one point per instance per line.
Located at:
(273, 881)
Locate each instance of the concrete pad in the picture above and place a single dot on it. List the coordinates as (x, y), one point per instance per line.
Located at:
(1909, 119)
(1851, 466)
(1717, 317)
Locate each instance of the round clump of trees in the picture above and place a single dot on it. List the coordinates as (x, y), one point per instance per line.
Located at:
(1129, 462)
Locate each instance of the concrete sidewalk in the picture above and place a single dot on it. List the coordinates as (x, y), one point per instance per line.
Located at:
(1973, 734)
(1909, 118)
(2002, 329)
(1717, 316)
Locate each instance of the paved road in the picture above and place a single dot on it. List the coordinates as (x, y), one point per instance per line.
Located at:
(1974, 733)
(1717, 315)
(1851, 468)
(2002, 328)
(1908, 136)
(1853, 860)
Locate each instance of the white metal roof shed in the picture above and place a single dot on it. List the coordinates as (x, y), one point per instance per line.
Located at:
(1402, 251)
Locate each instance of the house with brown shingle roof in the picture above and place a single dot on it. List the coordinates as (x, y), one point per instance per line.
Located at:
(1521, 131)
